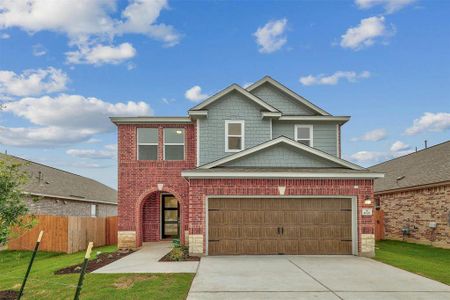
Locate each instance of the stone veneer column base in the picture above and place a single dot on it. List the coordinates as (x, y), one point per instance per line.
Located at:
(196, 244)
(126, 239)
(368, 245)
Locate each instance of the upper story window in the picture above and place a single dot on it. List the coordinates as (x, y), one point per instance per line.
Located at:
(173, 144)
(304, 134)
(234, 136)
(147, 139)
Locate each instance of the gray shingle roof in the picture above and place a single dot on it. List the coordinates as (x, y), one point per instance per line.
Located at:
(51, 181)
(428, 166)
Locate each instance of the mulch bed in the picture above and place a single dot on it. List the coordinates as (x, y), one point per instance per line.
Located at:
(101, 261)
(8, 295)
(186, 257)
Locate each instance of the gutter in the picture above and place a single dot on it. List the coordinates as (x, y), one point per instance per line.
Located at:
(206, 175)
(69, 198)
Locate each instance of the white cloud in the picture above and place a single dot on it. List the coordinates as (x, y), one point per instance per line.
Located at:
(101, 54)
(32, 82)
(430, 122)
(390, 6)
(65, 119)
(194, 94)
(333, 79)
(399, 146)
(372, 136)
(39, 50)
(270, 37)
(368, 156)
(92, 153)
(88, 23)
(365, 34)
(4, 36)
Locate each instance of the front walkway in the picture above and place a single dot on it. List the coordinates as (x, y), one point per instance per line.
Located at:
(309, 277)
(146, 260)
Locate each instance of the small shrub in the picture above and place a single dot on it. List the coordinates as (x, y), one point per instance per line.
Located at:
(177, 254)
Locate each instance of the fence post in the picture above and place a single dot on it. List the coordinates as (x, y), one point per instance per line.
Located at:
(83, 270)
(30, 264)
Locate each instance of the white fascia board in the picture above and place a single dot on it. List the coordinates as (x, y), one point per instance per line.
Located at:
(269, 114)
(147, 120)
(198, 112)
(289, 92)
(234, 87)
(194, 174)
(282, 139)
(340, 119)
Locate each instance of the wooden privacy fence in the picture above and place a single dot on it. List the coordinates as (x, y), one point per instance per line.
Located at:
(67, 233)
(379, 225)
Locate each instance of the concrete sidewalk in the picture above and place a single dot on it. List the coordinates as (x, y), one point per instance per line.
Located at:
(309, 277)
(146, 260)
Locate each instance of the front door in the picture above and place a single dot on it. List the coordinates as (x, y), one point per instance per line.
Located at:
(170, 216)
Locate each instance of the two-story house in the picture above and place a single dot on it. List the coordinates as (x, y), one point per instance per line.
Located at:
(254, 170)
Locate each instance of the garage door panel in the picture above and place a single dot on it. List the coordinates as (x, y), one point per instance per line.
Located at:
(232, 217)
(275, 226)
(253, 217)
(252, 232)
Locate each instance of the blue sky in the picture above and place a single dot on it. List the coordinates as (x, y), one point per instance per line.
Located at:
(65, 68)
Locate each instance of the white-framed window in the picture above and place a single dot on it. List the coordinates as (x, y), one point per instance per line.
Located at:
(304, 134)
(93, 210)
(173, 143)
(147, 143)
(234, 136)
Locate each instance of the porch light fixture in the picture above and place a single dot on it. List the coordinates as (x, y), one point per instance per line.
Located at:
(282, 190)
(179, 131)
(160, 186)
(367, 201)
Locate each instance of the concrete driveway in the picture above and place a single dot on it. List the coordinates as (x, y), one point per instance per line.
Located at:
(308, 277)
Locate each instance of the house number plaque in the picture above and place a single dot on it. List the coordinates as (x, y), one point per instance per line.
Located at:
(367, 211)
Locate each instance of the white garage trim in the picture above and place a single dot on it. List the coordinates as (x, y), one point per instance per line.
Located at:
(354, 212)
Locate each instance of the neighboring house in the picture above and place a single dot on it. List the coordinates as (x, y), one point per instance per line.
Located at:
(249, 171)
(415, 196)
(51, 191)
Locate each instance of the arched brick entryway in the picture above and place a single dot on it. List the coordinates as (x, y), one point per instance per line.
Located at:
(148, 215)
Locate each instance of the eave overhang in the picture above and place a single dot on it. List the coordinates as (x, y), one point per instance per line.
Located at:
(201, 174)
(150, 120)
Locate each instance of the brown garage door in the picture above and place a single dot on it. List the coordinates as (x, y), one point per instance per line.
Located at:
(279, 226)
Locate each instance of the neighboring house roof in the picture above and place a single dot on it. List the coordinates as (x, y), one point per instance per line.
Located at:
(281, 140)
(424, 167)
(237, 88)
(268, 79)
(51, 182)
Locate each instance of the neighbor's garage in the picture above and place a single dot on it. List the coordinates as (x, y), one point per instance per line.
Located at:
(279, 226)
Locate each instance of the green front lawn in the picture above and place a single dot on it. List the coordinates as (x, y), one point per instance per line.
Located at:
(424, 260)
(43, 284)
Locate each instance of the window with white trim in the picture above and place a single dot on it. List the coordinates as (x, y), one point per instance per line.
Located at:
(304, 134)
(173, 143)
(234, 136)
(147, 142)
(93, 210)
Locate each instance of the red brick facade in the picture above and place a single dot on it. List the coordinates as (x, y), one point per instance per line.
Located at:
(139, 179)
(200, 188)
(139, 195)
(415, 209)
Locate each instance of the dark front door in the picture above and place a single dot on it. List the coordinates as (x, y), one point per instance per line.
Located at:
(170, 216)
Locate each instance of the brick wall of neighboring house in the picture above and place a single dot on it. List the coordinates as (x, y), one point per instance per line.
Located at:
(139, 179)
(63, 207)
(200, 188)
(416, 209)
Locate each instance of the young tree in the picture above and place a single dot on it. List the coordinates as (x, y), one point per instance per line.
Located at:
(12, 203)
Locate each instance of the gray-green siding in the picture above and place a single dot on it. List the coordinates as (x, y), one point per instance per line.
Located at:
(233, 106)
(281, 101)
(324, 134)
(282, 156)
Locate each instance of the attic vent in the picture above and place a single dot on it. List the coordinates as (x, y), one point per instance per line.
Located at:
(76, 196)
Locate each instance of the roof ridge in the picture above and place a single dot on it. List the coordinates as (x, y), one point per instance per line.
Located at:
(54, 168)
(410, 154)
